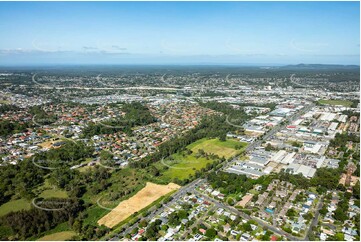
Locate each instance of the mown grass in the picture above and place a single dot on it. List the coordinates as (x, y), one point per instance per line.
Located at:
(345, 103)
(94, 213)
(221, 148)
(182, 166)
(14, 205)
(53, 193)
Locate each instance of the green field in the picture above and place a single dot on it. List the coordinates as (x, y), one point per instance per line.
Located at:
(345, 103)
(94, 213)
(20, 204)
(13, 206)
(60, 236)
(46, 190)
(221, 148)
(182, 166)
(53, 193)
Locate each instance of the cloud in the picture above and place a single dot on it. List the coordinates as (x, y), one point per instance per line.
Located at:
(86, 48)
(20, 51)
(116, 47)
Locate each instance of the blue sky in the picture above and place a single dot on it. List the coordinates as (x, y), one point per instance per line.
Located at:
(179, 33)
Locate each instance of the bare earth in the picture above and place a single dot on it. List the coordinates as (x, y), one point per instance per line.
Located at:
(150, 193)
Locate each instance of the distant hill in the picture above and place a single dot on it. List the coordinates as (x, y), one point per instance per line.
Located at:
(320, 67)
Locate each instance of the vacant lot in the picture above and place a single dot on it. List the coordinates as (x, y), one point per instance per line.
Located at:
(47, 144)
(221, 148)
(60, 236)
(150, 193)
(345, 103)
(13, 206)
(181, 167)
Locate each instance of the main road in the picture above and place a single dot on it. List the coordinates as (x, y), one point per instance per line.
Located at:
(190, 188)
(155, 212)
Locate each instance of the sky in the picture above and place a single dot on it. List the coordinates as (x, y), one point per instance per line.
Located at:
(241, 33)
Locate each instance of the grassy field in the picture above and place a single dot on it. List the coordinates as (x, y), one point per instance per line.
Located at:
(60, 236)
(221, 148)
(13, 206)
(94, 213)
(51, 193)
(345, 103)
(46, 190)
(128, 180)
(182, 166)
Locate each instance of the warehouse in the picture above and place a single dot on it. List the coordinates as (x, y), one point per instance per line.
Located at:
(306, 171)
(328, 116)
(245, 171)
(315, 148)
(333, 126)
(279, 156)
(288, 159)
(342, 118)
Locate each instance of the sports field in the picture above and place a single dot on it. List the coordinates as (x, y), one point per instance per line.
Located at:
(150, 193)
(344, 103)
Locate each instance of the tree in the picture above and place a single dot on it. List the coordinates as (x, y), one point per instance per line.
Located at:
(323, 211)
(182, 214)
(247, 226)
(268, 147)
(143, 223)
(291, 213)
(211, 233)
(340, 215)
(77, 225)
(356, 190)
(267, 236)
(223, 137)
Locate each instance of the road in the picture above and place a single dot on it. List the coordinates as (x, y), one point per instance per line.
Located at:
(279, 127)
(315, 219)
(185, 234)
(248, 217)
(191, 189)
(296, 83)
(273, 131)
(155, 212)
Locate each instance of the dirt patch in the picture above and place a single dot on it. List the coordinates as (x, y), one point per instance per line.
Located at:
(150, 193)
(47, 144)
